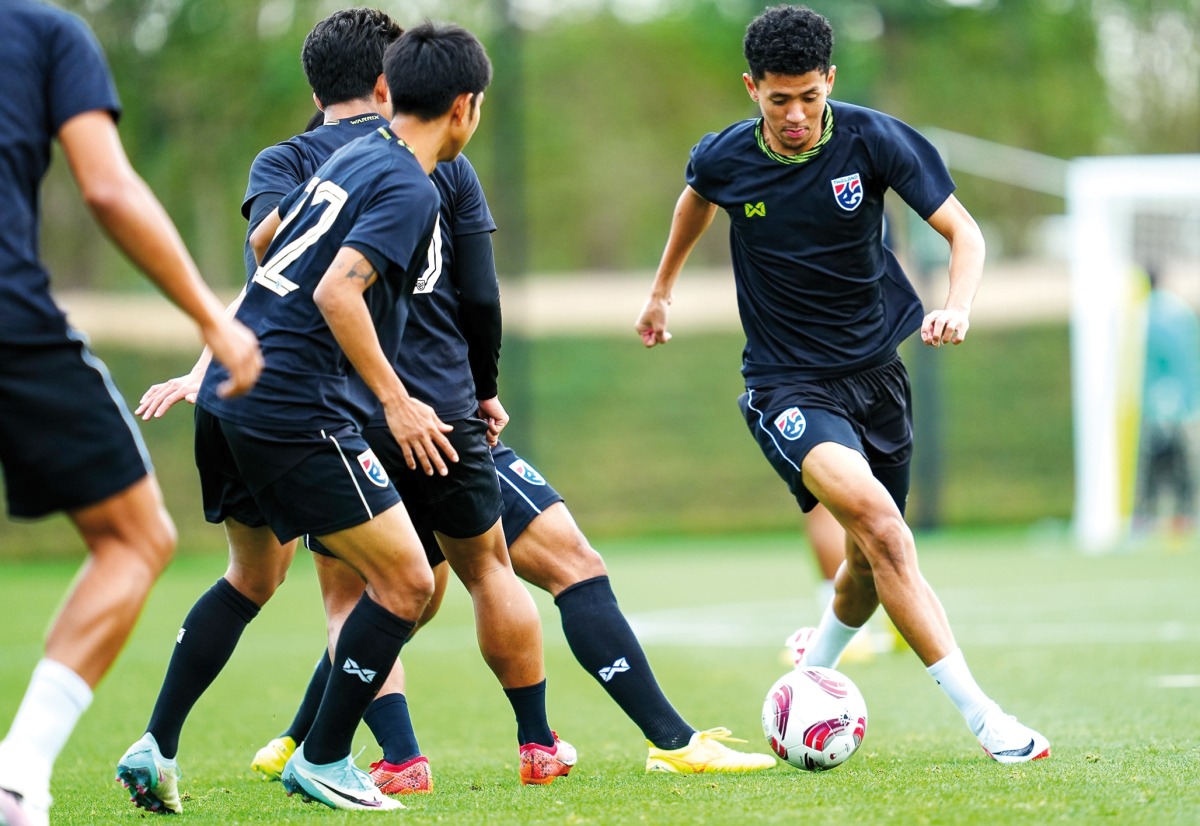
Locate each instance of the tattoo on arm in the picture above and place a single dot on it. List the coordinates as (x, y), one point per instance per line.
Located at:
(361, 271)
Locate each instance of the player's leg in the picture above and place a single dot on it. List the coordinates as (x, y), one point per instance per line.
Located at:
(828, 542)
(207, 639)
(510, 638)
(882, 568)
(130, 539)
(96, 469)
(387, 555)
(402, 769)
(550, 551)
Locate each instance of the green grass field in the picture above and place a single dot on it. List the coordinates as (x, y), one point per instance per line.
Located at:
(1100, 653)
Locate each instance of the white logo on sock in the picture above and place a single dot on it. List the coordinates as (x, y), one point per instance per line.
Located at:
(610, 671)
(364, 674)
(179, 636)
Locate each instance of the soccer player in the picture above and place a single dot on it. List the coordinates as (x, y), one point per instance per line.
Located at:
(343, 60)
(448, 358)
(331, 296)
(91, 463)
(824, 305)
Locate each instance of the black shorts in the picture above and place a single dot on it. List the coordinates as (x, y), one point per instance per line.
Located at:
(526, 492)
(870, 412)
(316, 482)
(67, 438)
(462, 504)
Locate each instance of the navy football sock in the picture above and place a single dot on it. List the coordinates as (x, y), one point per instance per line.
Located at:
(529, 704)
(366, 651)
(602, 641)
(205, 643)
(388, 719)
(302, 722)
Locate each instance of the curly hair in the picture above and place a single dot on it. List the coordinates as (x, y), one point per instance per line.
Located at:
(788, 40)
(343, 54)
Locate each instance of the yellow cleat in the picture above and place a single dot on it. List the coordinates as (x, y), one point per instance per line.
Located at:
(707, 753)
(271, 758)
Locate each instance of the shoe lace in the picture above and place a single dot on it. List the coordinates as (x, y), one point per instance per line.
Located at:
(720, 733)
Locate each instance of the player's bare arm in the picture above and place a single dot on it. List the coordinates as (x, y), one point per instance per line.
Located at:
(693, 215)
(261, 237)
(949, 325)
(161, 397)
(138, 224)
(417, 429)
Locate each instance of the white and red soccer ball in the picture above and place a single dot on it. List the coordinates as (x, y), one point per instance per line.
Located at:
(814, 718)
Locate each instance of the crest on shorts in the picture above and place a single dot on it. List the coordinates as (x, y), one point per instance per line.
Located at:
(790, 424)
(522, 469)
(372, 468)
(848, 191)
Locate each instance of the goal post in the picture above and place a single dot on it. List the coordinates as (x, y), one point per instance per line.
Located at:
(1125, 214)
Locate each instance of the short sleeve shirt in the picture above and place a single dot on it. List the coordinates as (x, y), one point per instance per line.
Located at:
(431, 359)
(52, 69)
(819, 294)
(373, 196)
(279, 169)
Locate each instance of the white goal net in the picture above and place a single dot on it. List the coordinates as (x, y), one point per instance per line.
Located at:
(1127, 216)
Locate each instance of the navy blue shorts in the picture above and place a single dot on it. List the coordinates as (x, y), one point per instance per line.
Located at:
(306, 482)
(870, 412)
(67, 438)
(462, 504)
(526, 492)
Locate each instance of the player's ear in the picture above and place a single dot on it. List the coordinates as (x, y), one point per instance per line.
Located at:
(829, 79)
(751, 87)
(317, 101)
(382, 93)
(463, 108)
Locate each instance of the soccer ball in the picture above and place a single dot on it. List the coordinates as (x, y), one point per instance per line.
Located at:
(814, 718)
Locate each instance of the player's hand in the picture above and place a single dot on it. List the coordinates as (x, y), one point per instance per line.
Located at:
(945, 327)
(652, 323)
(492, 412)
(162, 397)
(421, 436)
(234, 346)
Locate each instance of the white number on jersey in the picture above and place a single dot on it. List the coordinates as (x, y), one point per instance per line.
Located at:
(433, 267)
(270, 274)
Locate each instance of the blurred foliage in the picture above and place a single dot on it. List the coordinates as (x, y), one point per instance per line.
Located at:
(646, 443)
(616, 92)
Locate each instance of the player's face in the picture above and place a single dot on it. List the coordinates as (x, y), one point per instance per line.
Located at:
(792, 108)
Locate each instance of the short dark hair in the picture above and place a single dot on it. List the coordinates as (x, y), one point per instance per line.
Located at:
(431, 65)
(343, 54)
(788, 40)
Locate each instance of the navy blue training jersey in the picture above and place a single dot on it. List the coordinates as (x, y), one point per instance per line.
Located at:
(371, 195)
(819, 294)
(281, 168)
(51, 69)
(431, 359)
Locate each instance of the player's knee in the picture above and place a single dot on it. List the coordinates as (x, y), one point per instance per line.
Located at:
(554, 568)
(887, 544)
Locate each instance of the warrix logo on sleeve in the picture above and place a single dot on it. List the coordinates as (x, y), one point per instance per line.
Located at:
(522, 469)
(790, 423)
(372, 468)
(758, 210)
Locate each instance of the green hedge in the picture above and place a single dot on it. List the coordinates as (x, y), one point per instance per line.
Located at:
(651, 442)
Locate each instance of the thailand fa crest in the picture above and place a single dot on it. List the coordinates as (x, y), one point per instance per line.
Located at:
(522, 469)
(848, 191)
(372, 468)
(790, 424)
